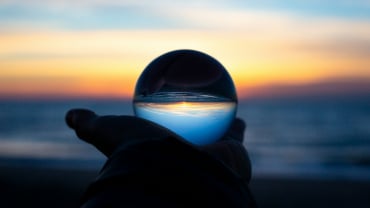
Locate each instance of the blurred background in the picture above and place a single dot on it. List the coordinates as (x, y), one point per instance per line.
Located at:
(301, 68)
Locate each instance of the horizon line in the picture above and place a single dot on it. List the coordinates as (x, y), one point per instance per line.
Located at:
(332, 88)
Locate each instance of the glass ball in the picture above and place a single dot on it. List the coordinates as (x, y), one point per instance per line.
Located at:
(189, 93)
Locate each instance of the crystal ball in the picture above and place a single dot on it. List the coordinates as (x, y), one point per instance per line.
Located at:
(188, 92)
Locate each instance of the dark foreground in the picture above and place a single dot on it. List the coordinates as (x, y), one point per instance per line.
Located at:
(38, 187)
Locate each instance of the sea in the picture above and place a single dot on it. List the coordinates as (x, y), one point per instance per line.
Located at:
(325, 137)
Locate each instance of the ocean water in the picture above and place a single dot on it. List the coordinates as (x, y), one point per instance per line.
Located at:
(288, 137)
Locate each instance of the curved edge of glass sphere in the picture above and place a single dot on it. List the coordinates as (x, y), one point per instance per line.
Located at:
(189, 93)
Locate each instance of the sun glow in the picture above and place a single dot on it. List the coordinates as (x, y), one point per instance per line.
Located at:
(107, 63)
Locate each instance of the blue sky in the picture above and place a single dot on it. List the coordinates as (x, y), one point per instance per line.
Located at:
(95, 14)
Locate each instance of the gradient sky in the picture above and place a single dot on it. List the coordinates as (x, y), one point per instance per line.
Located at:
(98, 48)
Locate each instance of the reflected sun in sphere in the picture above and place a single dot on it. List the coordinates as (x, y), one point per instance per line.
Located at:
(198, 122)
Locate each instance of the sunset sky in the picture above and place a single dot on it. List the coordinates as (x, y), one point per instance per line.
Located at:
(98, 48)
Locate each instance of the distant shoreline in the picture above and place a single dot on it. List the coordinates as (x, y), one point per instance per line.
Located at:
(363, 94)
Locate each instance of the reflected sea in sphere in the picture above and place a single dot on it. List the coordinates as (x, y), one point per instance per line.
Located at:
(189, 93)
(200, 120)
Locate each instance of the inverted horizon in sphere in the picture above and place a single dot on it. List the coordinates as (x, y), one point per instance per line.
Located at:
(199, 123)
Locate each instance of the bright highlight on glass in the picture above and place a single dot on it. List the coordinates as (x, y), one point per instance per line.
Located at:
(189, 93)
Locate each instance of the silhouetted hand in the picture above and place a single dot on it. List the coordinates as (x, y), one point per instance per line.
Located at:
(111, 133)
(107, 133)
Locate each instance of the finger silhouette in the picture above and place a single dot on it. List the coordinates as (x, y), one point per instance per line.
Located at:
(107, 133)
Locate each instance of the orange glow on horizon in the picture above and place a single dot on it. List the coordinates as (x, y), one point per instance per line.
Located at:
(108, 63)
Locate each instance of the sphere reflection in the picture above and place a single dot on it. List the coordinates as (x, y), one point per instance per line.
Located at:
(188, 92)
